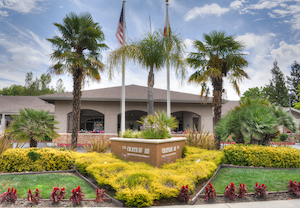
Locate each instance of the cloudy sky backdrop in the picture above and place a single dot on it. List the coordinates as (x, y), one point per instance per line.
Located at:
(270, 29)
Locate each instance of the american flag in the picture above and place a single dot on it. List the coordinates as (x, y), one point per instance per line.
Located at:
(119, 32)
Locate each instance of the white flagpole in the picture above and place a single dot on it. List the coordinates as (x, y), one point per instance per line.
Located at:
(168, 65)
(123, 75)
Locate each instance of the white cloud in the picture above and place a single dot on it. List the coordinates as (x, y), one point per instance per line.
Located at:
(237, 4)
(21, 6)
(4, 13)
(212, 9)
(265, 4)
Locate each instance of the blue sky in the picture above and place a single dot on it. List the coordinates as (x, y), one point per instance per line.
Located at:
(270, 29)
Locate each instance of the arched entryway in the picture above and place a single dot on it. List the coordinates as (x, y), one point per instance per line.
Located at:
(187, 120)
(131, 119)
(90, 120)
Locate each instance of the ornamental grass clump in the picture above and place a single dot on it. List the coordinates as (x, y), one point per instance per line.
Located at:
(242, 190)
(210, 192)
(184, 195)
(230, 191)
(158, 126)
(76, 196)
(260, 190)
(57, 195)
(100, 195)
(294, 187)
(9, 196)
(34, 198)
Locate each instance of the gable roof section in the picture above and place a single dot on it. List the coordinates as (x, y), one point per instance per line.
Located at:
(12, 104)
(133, 93)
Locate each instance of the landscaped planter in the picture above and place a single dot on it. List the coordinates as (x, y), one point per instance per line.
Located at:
(155, 152)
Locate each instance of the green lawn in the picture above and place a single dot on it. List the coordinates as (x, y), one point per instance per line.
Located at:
(45, 183)
(275, 180)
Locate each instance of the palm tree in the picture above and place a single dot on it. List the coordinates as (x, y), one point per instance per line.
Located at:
(255, 119)
(77, 53)
(32, 125)
(220, 55)
(150, 52)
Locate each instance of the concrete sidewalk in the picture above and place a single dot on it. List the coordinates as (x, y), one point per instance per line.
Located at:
(293, 203)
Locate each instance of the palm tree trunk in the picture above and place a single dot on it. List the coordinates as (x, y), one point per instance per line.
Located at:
(217, 83)
(77, 78)
(33, 143)
(150, 102)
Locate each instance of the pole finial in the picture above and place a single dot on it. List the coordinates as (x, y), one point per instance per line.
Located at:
(167, 1)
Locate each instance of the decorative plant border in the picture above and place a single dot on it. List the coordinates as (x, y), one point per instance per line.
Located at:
(199, 194)
(75, 171)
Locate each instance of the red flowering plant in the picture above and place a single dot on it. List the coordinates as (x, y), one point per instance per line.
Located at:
(76, 196)
(100, 195)
(294, 187)
(9, 196)
(242, 190)
(230, 191)
(34, 198)
(260, 190)
(183, 195)
(210, 192)
(57, 195)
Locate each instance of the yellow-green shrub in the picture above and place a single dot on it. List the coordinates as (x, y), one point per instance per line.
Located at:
(139, 183)
(34, 159)
(262, 156)
(85, 160)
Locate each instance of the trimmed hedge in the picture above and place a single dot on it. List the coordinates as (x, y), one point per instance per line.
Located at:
(139, 184)
(35, 159)
(262, 156)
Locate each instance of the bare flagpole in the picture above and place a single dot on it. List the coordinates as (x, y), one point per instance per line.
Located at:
(123, 74)
(167, 24)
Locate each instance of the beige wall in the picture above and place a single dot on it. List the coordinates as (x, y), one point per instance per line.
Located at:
(112, 109)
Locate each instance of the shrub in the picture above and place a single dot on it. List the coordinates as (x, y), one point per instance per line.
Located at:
(100, 195)
(230, 191)
(210, 192)
(57, 195)
(157, 126)
(184, 195)
(202, 139)
(34, 198)
(99, 145)
(283, 136)
(260, 190)
(262, 156)
(9, 196)
(139, 183)
(76, 196)
(129, 133)
(242, 190)
(294, 187)
(34, 159)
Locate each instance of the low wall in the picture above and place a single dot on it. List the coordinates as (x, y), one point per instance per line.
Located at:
(83, 138)
(88, 138)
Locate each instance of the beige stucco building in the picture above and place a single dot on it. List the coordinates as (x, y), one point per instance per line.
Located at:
(101, 109)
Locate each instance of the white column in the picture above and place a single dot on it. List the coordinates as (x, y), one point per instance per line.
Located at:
(3, 124)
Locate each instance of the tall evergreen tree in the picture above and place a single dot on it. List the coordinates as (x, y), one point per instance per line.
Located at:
(293, 81)
(276, 91)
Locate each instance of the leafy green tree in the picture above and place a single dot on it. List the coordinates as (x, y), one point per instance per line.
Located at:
(219, 56)
(77, 53)
(32, 125)
(254, 92)
(33, 88)
(293, 81)
(277, 92)
(60, 88)
(256, 119)
(13, 90)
